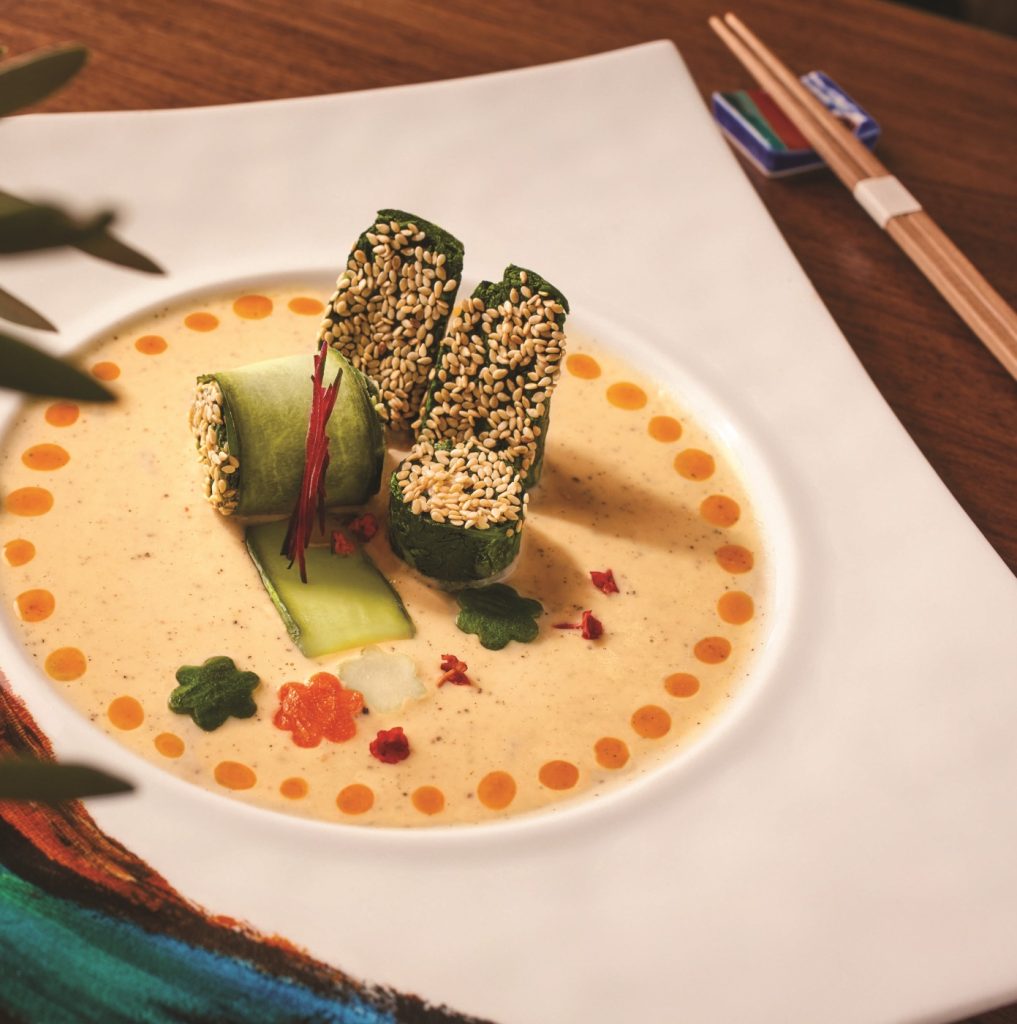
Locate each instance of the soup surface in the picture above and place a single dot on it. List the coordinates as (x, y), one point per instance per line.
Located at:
(117, 573)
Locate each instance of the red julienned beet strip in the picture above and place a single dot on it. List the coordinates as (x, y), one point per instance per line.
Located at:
(312, 483)
(391, 746)
(591, 626)
(454, 671)
(604, 581)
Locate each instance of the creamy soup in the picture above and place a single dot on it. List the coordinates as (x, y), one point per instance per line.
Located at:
(117, 573)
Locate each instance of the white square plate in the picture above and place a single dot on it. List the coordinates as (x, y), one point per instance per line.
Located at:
(840, 846)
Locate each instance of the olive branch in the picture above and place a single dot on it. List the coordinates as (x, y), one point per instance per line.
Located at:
(30, 226)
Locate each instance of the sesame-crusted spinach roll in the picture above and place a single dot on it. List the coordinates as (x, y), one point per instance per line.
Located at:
(250, 428)
(497, 368)
(391, 307)
(456, 512)
(458, 501)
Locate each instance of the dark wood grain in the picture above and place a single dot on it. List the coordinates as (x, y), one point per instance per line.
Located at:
(946, 96)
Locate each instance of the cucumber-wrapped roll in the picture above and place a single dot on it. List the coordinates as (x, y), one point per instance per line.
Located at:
(456, 512)
(497, 368)
(391, 307)
(250, 428)
(457, 503)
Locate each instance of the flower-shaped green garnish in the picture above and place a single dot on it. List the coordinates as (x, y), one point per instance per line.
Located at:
(210, 693)
(497, 614)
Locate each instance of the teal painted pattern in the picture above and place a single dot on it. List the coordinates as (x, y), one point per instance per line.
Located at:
(65, 964)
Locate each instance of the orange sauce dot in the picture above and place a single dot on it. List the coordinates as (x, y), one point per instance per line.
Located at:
(65, 664)
(253, 307)
(611, 753)
(712, 649)
(62, 414)
(29, 501)
(306, 306)
(651, 722)
(681, 684)
(106, 371)
(626, 396)
(45, 457)
(201, 321)
(126, 713)
(234, 775)
(559, 775)
(169, 744)
(736, 607)
(355, 799)
(496, 790)
(18, 552)
(720, 510)
(151, 344)
(35, 605)
(428, 799)
(665, 428)
(734, 558)
(694, 464)
(583, 366)
(293, 789)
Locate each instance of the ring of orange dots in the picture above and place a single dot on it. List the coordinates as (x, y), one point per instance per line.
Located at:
(497, 789)
(733, 607)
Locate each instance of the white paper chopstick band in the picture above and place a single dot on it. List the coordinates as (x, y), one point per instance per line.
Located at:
(885, 198)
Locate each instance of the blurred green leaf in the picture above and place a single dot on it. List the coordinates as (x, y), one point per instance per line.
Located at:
(26, 226)
(31, 78)
(27, 369)
(106, 246)
(18, 312)
(23, 778)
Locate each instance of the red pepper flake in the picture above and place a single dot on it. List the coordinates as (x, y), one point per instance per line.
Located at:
(311, 497)
(322, 710)
(391, 746)
(363, 527)
(592, 627)
(454, 671)
(341, 544)
(604, 581)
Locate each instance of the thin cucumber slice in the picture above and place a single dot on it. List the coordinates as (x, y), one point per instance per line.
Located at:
(347, 603)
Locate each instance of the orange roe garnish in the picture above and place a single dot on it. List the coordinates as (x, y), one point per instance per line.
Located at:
(321, 710)
(391, 746)
(454, 671)
(341, 544)
(604, 581)
(363, 527)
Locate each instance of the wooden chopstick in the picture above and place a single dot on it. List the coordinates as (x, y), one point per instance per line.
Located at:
(981, 307)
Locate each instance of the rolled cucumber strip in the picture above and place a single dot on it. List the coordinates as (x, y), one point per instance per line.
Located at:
(250, 429)
(346, 603)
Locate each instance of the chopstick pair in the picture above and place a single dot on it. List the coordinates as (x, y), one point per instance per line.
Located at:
(882, 195)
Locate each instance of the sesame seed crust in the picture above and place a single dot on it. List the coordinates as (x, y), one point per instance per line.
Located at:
(481, 435)
(391, 307)
(220, 469)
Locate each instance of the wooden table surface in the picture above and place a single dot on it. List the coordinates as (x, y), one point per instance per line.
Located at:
(945, 94)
